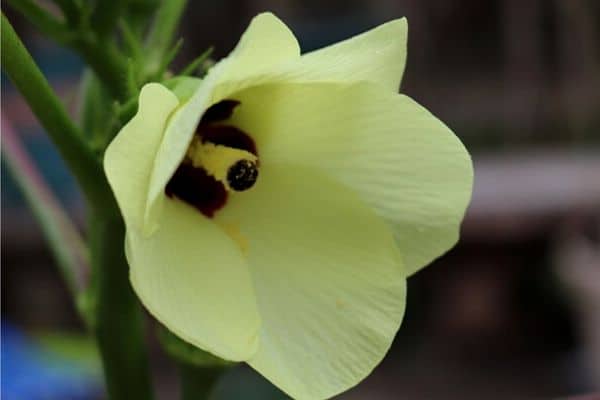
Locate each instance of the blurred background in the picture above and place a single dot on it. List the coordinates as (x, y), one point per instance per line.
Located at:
(512, 312)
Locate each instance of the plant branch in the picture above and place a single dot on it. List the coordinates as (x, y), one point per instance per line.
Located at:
(25, 75)
(118, 316)
(192, 68)
(132, 44)
(107, 62)
(102, 55)
(162, 32)
(70, 10)
(138, 13)
(106, 16)
(40, 18)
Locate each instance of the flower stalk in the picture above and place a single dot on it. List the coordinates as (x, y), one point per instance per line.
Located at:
(199, 371)
(29, 80)
(197, 382)
(117, 317)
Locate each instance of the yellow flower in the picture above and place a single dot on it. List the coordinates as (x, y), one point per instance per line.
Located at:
(275, 209)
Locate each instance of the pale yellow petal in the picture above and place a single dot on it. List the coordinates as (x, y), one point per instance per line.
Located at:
(398, 157)
(329, 281)
(129, 158)
(194, 279)
(377, 56)
(266, 42)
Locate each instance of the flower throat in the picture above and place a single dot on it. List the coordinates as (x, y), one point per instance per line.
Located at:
(221, 158)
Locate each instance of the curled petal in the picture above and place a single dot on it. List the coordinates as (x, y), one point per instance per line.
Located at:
(266, 42)
(193, 278)
(129, 158)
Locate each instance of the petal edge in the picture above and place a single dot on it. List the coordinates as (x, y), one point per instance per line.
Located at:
(193, 278)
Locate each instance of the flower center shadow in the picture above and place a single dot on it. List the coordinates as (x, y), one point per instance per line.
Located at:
(221, 158)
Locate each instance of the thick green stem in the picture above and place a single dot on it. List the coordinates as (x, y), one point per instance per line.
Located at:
(25, 75)
(197, 382)
(118, 322)
(118, 318)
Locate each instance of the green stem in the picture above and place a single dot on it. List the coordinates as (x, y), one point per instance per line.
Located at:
(25, 75)
(138, 14)
(196, 63)
(118, 318)
(118, 314)
(198, 370)
(106, 16)
(197, 382)
(101, 54)
(70, 10)
(36, 15)
(131, 42)
(160, 38)
(107, 62)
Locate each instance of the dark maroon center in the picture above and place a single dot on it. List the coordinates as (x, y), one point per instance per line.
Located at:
(194, 185)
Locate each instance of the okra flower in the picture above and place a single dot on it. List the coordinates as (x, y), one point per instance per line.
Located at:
(275, 209)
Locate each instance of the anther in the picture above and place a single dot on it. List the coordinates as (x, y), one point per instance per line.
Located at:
(242, 175)
(236, 169)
